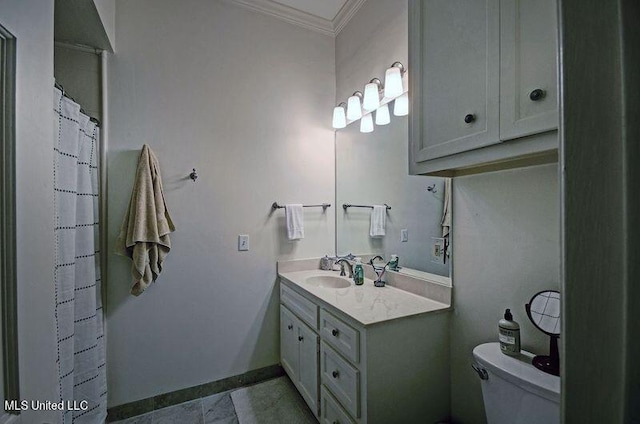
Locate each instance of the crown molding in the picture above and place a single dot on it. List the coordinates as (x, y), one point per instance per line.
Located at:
(345, 14)
(304, 19)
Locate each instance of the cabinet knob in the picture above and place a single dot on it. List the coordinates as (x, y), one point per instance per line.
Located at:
(335, 374)
(300, 338)
(537, 94)
(335, 332)
(469, 118)
(290, 326)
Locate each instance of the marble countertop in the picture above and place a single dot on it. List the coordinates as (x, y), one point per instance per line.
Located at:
(366, 304)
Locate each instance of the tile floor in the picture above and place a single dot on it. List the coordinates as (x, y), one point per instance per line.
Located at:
(273, 401)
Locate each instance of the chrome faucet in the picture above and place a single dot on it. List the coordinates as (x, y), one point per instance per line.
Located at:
(342, 262)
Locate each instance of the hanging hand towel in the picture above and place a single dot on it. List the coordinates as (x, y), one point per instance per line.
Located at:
(446, 209)
(378, 221)
(144, 235)
(295, 221)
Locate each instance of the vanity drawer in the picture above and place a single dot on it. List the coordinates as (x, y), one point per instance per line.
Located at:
(331, 411)
(305, 309)
(340, 335)
(341, 378)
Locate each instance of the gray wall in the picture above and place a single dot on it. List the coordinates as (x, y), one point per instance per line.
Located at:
(31, 22)
(372, 168)
(505, 249)
(107, 12)
(79, 73)
(246, 99)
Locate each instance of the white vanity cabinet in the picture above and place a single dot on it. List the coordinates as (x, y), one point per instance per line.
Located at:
(300, 346)
(483, 84)
(385, 372)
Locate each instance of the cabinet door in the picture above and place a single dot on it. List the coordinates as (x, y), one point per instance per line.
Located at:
(308, 371)
(528, 62)
(454, 76)
(289, 343)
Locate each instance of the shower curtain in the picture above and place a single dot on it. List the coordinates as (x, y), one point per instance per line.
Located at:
(78, 312)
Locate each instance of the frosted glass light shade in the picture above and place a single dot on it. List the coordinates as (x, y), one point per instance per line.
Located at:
(393, 82)
(401, 106)
(382, 115)
(354, 110)
(371, 97)
(366, 124)
(339, 118)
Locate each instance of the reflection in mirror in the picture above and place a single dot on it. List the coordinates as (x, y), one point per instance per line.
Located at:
(372, 169)
(544, 312)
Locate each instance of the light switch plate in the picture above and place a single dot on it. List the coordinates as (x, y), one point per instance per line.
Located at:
(404, 235)
(243, 242)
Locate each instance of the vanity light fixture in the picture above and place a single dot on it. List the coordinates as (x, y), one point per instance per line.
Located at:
(354, 108)
(372, 95)
(366, 124)
(382, 115)
(393, 80)
(401, 105)
(339, 116)
(376, 98)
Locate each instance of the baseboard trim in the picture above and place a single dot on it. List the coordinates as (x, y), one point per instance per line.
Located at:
(143, 406)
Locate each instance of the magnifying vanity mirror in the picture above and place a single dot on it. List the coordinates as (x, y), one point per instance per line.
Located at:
(544, 312)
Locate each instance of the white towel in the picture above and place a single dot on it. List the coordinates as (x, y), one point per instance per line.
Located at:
(295, 221)
(378, 221)
(446, 208)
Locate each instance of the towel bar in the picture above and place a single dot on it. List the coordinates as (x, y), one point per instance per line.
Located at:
(348, 205)
(324, 206)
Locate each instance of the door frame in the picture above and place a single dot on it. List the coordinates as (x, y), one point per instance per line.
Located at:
(8, 278)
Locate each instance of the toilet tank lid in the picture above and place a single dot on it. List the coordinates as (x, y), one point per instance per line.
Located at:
(518, 370)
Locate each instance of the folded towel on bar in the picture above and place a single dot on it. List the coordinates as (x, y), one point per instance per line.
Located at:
(378, 221)
(295, 221)
(144, 235)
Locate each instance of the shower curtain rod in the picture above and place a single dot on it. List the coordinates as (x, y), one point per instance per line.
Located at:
(64, 93)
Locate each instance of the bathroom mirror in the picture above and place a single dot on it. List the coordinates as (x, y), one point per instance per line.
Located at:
(372, 169)
(544, 312)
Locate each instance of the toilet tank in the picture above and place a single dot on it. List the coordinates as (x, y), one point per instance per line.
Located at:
(515, 391)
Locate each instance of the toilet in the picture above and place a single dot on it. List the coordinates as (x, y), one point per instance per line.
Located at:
(514, 391)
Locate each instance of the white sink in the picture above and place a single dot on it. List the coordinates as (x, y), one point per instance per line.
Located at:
(327, 281)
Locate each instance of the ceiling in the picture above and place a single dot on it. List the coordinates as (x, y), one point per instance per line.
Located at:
(325, 16)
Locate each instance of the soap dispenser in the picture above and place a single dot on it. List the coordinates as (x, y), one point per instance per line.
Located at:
(509, 335)
(358, 272)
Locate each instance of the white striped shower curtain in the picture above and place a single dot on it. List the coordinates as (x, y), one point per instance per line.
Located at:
(79, 317)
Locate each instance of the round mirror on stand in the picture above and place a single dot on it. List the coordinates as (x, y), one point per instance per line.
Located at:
(544, 312)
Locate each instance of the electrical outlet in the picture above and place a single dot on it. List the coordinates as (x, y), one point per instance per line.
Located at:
(404, 235)
(243, 242)
(437, 250)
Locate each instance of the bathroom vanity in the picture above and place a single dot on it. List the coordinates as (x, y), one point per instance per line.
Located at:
(363, 354)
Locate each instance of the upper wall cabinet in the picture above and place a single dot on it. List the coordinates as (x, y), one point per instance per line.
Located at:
(483, 84)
